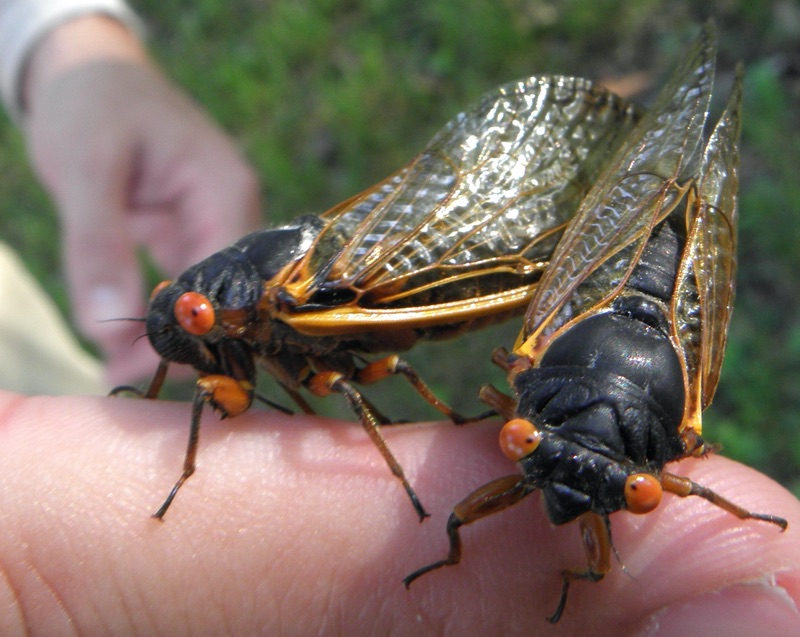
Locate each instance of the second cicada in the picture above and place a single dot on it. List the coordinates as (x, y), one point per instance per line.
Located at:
(622, 343)
(456, 239)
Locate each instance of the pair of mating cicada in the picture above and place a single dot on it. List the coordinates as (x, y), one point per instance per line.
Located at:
(613, 230)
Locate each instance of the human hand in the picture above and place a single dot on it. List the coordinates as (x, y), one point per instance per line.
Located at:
(130, 162)
(293, 525)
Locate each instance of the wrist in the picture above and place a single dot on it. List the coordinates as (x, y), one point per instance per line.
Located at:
(79, 41)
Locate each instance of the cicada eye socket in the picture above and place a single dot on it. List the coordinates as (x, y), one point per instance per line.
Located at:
(194, 313)
(642, 492)
(519, 438)
(158, 288)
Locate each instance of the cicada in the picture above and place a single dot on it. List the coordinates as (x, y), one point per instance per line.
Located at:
(456, 239)
(621, 345)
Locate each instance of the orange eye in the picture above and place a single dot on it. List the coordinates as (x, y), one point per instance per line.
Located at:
(158, 288)
(642, 492)
(519, 438)
(194, 313)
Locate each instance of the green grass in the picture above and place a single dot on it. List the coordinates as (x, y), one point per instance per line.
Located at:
(328, 97)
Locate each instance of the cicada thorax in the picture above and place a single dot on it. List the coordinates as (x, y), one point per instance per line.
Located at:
(228, 287)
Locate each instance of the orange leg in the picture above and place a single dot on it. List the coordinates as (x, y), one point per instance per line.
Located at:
(299, 400)
(486, 500)
(158, 380)
(502, 403)
(500, 357)
(506, 492)
(393, 365)
(324, 383)
(684, 487)
(596, 537)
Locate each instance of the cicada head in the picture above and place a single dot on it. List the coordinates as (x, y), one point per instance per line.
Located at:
(186, 318)
(213, 316)
(599, 433)
(576, 467)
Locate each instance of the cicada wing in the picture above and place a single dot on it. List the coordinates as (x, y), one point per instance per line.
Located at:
(488, 197)
(703, 298)
(645, 179)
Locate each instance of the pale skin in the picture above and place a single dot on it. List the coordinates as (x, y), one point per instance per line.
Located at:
(293, 525)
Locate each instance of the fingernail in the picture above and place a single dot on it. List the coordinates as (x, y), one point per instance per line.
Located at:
(741, 610)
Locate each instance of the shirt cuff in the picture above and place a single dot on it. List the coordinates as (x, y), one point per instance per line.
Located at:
(24, 22)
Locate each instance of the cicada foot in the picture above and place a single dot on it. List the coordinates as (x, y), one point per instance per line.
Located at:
(486, 500)
(121, 390)
(596, 537)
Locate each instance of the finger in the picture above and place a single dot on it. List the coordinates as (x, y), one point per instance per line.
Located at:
(88, 176)
(194, 193)
(221, 211)
(155, 173)
(685, 556)
(211, 215)
(291, 521)
(689, 560)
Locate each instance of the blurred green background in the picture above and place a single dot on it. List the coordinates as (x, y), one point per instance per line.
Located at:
(327, 97)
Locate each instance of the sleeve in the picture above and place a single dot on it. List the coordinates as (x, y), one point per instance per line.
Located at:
(24, 22)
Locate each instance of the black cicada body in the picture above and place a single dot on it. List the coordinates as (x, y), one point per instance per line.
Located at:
(622, 342)
(456, 239)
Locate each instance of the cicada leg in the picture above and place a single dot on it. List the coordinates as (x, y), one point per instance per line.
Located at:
(596, 537)
(490, 498)
(684, 487)
(152, 390)
(325, 383)
(158, 380)
(500, 402)
(501, 358)
(394, 365)
(271, 403)
(299, 400)
(380, 417)
(226, 395)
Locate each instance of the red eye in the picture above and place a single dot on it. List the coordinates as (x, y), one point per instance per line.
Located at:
(642, 492)
(158, 288)
(519, 438)
(194, 313)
